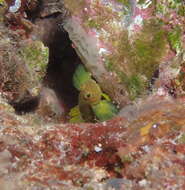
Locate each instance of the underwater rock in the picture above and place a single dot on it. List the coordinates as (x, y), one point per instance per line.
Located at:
(143, 147)
(49, 106)
(3, 8)
(124, 43)
(142, 154)
(52, 7)
(23, 64)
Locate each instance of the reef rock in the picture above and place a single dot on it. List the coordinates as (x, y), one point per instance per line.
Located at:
(23, 64)
(126, 44)
(130, 47)
(146, 153)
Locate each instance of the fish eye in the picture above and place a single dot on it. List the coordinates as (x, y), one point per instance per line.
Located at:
(88, 95)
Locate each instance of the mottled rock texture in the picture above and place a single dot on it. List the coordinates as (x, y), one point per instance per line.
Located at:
(124, 43)
(146, 153)
(23, 64)
(131, 48)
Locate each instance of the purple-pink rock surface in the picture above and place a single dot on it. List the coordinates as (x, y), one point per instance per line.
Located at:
(126, 44)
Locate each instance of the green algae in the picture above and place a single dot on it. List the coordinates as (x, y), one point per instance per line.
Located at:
(174, 38)
(93, 23)
(135, 85)
(89, 188)
(2, 2)
(126, 6)
(36, 57)
(80, 77)
(102, 16)
(181, 10)
(127, 158)
(141, 1)
(3, 7)
(74, 6)
(135, 62)
(165, 6)
(149, 48)
(126, 3)
(178, 1)
(181, 140)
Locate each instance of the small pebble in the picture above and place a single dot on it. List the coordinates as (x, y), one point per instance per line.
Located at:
(98, 148)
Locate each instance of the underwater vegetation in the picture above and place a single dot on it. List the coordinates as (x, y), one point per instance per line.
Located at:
(76, 153)
(133, 39)
(174, 38)
(135, 62)
(93, 103)
(141, 148)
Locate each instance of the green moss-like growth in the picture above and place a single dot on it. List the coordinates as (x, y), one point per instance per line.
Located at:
(3, 8)
(93, 23)
(2, 2)
(36, 57)
(148, 48)
(124, 2)
(127, 158)
(75, 6)
(178, 1)
(181, 10)
(126, 6)
(80, 77)
(165, 7)
(136, 62)
(104, 110)
(141, 1)
(174, 38)
(89, 188)
(182, 139)
(135, 85)
(101, 17)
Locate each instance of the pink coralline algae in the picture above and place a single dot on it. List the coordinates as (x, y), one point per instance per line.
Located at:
(150, 36)
(147, 151)
(135, 52)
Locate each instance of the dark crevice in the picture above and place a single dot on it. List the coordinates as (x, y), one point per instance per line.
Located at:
(33, 9)
(25, 105)
(63, 61)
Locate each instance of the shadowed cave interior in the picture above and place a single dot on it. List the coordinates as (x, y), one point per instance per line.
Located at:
(63, 61)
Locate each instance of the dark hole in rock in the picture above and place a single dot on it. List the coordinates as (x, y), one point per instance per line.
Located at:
(26, 105)
(63, 61)
(32, 9)
(153, 80)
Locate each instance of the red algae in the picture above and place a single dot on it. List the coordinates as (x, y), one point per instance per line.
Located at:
(66, 155)
(141, 149)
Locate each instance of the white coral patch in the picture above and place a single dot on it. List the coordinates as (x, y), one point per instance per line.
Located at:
(144, 5)
(143, 183)
(161, 91)
(14, 8)
(98, 148)
(102, 51)
(138, 20)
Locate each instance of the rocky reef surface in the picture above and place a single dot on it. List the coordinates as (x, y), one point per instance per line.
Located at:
(125, 43)
(135, 52)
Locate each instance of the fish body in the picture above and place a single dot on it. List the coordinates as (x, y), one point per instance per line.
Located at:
(93, 104)
(104, 110)
(90, 94)
(80, 76)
